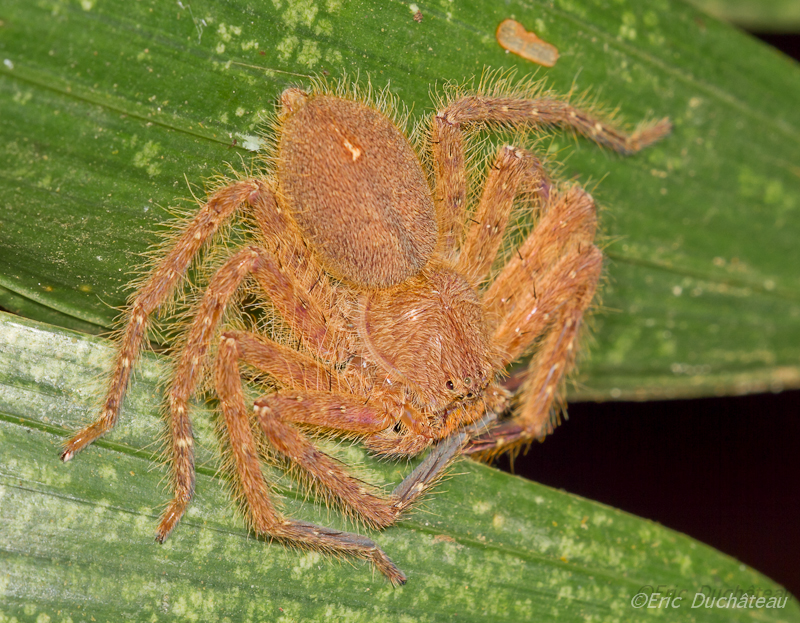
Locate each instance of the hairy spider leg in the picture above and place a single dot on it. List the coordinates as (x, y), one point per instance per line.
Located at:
(348, 414)
(447, 140)
(291, 368)
(274, 414)
(513, 170)
(305, 316)
(450, 195)
(564, 270)
(309, 402)
(277, 231)
(550, 112)
(306, 404)
(170, 270)
(284, 241)
(555, 356)
(574, 280)
(569, 219)
(441, 455)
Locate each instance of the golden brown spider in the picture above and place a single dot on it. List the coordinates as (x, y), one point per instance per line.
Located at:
(398, 335)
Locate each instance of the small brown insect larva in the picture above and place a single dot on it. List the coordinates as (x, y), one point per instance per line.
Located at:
(512, 36)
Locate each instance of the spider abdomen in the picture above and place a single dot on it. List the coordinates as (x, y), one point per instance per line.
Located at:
(357, 191)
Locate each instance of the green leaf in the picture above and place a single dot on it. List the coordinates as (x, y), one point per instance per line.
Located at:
(109, 107)
(77, 538)
(755, 15)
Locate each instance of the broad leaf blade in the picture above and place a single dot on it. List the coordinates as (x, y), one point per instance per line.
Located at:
(109, 107)
(106, 105)
(77, 538)
(755, 15)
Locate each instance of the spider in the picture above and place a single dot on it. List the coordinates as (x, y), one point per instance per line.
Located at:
(399, 328)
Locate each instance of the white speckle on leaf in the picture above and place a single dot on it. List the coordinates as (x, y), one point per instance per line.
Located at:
(334, 57)
(300, 12)
(106, 472)
(286, 47)
(601, 519)
(8, 63)
(627, 30)
(250, 142)
(144, 159)
(309, 54)
(481, 508)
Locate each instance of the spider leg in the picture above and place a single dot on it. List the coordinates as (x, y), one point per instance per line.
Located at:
(547, 111)
(565, 270)
(305, 317)
(332, 408)
(447, 141)
(277, 412)
(513, 168)
(288, 366)
(442, 454)
(285, 242)
(569, 220)
(348, 414)
(172, 269)
(153, 293)
(554, 358)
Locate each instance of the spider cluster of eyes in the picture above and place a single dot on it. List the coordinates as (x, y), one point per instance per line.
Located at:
(384, 274)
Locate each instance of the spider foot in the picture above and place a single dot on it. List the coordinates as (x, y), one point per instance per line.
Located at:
(337, 542)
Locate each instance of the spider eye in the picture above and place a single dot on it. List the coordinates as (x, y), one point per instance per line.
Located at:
(467, 381)
(450, 385)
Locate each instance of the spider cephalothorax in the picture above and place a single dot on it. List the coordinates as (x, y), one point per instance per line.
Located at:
(400, 327)
(438, 318)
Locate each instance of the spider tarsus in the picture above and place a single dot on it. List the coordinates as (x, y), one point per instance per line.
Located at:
(648, 134)
(170, 519)
(385, 565)
(72, 447)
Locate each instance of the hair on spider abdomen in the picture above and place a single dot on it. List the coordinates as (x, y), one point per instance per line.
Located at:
(395, 325)
(335, 154)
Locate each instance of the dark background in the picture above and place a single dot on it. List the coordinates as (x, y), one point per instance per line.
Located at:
(725, 471)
